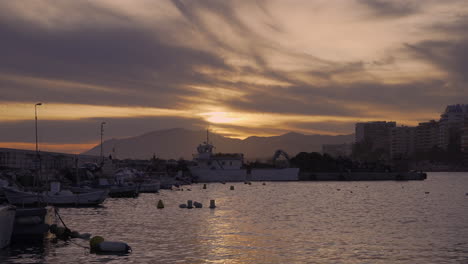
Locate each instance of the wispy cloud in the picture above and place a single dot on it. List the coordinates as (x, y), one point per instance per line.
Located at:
(245, 67)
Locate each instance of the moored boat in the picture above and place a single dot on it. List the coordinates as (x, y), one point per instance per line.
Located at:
(63, 197)
(149, 187)
(229, 167)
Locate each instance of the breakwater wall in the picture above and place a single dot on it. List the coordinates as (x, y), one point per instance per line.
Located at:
(362, 176)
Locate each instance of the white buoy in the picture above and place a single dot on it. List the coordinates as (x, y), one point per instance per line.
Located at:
(212, 204)
(109, 246)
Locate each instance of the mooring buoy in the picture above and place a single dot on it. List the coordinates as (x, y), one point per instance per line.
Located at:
(212, 204)
(160, 204)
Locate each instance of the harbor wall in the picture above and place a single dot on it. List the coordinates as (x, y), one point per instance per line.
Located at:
(362, 176)
(206, 175)
(287, 174)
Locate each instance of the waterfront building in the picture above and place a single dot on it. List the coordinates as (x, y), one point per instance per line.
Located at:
(49, 161)
(378, 133)
(337, 150)
(402, 142)
(464, 140)
(427, 136)
(451, 124)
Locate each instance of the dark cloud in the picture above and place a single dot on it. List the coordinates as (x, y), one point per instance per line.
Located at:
(129, 58)
(449, 55)
(392, 8)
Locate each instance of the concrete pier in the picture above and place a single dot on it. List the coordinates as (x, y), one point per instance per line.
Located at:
(362, 176)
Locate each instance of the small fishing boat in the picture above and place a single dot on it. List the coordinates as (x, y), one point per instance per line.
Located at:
(62, 197)
(149, 186)
(7, 219)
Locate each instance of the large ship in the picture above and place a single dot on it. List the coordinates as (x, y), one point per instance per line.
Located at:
(229, 167)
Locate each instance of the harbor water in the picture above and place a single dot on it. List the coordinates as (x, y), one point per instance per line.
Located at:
(279, 222)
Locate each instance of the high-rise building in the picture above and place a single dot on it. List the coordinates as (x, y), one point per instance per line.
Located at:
(464, 138)
(377, 133)
(427, 136)
(402, 142)
(451, 123)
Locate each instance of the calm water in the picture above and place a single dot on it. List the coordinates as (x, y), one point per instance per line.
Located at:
(293, 222)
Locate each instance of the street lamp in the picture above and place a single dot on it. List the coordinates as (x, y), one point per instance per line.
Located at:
(35, 111)
(102, 133)
(38, 159)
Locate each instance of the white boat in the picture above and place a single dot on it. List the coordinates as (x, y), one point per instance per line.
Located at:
(7, 219)
(63, 197)
(228, 167)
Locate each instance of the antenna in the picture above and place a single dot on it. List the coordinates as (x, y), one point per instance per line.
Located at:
(207, 136)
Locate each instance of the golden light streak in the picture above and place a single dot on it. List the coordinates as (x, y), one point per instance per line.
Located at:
(61, 111)
(57, 84)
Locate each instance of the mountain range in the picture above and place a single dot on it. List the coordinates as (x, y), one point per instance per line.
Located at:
(181, 143)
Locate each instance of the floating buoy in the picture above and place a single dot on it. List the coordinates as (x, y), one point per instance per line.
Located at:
(189, 204)
(232, 188)
(160, 204)
(249, 183)
(212, 204)
(263, 183)
(204, 186)
(182, 206)
(95, 241)
(198, 205)
(245, 182)
(98, 244)
(109, 246)
(426, 192)
(338, 189)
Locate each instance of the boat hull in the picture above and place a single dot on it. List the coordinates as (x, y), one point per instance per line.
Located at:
(28, 198)
(123, 192)
(7, 220)
(32, 224)
(149, 187)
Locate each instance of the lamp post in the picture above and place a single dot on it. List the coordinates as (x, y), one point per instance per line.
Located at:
(35, 112)
(102, 134)
(38, 159)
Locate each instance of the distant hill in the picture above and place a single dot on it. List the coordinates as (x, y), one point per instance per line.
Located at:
(176, 143)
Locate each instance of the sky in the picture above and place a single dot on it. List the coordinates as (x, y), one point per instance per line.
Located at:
(240, 67)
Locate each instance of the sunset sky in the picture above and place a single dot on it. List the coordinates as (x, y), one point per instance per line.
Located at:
(240, 67)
